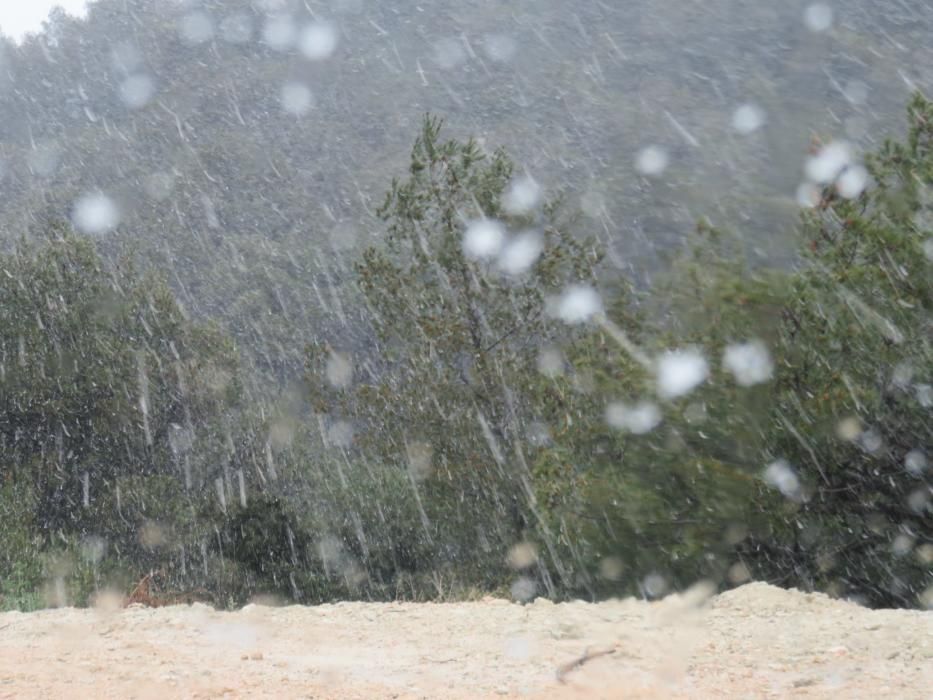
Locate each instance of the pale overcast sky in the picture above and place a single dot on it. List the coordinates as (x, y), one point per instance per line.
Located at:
(17, 17)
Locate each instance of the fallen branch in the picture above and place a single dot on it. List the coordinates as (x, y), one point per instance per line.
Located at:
(588, 655)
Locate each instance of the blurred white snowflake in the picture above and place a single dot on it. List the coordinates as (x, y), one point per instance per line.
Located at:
(818, 17)
(95, 213)
(521, 252)
(750, 363)
(679, 372)
(748, 118)
(639, 418)
(483, 239)
(578, 304)
(780, 475)
(652, 161)
(318, 40)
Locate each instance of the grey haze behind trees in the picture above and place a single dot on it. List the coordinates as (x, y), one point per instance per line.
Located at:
(246, 145)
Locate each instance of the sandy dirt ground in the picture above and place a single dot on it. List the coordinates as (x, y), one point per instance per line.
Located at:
(753, 642)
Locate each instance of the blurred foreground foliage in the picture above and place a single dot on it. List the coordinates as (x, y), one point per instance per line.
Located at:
(468, 449)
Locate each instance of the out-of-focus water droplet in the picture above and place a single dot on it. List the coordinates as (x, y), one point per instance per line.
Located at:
(297, 98)
(808, 195)
(852, 182)
(499, 48)
(136, 91)
(279, 32)
(902, 544)
(818, 17)
(924, 394)
(750, 363)
(538, 434)
(652, 161)
(696, 413)
(902, 375)
(93, 548)
(340, 434)
(871, 441)
(924, 554)
(638, 418)
(654, 585)
(578, 304)
(748, 118)
(679, 372)
(856, 127)
(282, 432)
(738, 574)
(919, 499)
(926, 599)
(550, 362)
(523, 195)
(521, 253)
(523, 590)
(522, 555)
(611, 568)
(518, 648)
(829, 162)
(318, 40)
(928, 249)
(196, 28)
(45, 158)
(483, 239)
(107, 601)
(735, 533)
(449, 53)
(152, 534)
(126, 58)
(237, 29)
(339, 370)
(95, 213)
(849, 429)
(420, 460)
(344, 235)
(780, 475)
(916, 462)
(180, 439)
(56, 594)
(856, 92)
(593, 202)
(159, 185)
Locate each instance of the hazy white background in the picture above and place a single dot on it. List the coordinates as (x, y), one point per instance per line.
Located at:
(19, 17)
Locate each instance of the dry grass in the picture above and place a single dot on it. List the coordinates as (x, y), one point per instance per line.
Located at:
(146, 594)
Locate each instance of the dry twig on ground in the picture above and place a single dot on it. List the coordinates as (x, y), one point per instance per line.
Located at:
(588, 655)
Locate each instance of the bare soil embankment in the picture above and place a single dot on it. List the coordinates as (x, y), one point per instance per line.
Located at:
(756, 641)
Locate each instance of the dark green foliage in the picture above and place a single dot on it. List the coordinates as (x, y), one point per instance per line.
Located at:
(264, 539)
(100, 371)
(848, 409)
(848, 331)
(457, 340)
(855, 345)
(435, 439)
